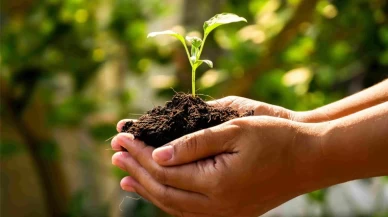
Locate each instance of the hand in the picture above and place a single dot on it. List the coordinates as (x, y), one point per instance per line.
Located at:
(249, 166)
(242, 105)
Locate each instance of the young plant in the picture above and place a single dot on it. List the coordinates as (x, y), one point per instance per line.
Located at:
(197, 44)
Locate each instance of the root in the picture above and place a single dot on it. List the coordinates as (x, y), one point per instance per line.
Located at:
(133, 198)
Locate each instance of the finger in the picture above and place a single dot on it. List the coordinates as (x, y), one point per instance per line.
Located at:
(239, 104)
(174, 198)
(121, 123)
(129, 183)
(199, 145)
(223, 102)
(116, 141)
(190, 177)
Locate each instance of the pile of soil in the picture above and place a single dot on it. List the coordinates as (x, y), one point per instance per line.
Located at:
(184, 114)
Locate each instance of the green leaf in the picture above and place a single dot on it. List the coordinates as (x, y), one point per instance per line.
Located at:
(195, 44)
(194, 41)
(172, 33)
(221, 19)
(208, 62)
(199, 62)
(194, 54)
(168, 32)
(193, 59)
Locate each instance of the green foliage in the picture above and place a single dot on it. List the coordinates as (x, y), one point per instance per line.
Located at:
(220, 19)
(49, 151)
(79, 203)
(198, 44)
(102, 132)
(71, 111)
(76, 206)
(9, 148)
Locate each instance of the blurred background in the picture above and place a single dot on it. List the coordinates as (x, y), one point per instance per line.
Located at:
(70, 69)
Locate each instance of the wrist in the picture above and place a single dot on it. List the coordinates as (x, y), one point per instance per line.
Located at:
(355, 147)
(349, 148)
(308, 163)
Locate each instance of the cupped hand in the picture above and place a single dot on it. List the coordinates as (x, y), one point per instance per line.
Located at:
(247, 166)
(242, 105)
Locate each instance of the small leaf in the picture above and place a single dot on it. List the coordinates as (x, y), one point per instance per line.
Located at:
(208, 62)
(194, 41)
(221, 19)
(194, 52)
(193, 59)
(172, 33)
(168, 32)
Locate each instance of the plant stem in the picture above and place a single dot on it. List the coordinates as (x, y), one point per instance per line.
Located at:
(193, 80)
(188, 54)
(194, 67)
(203, 44)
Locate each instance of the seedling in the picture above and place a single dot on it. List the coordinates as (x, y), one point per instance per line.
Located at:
(197, 44)
(179, 116)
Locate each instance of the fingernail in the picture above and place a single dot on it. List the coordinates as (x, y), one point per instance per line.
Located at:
(128, 188)
(129, 136)
(124, 139)
(163, 153)
(119, 163)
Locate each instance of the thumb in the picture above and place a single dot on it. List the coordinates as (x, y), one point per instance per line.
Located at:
(199, 145)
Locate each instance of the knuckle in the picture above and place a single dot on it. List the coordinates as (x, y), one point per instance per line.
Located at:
(226, 101)
(138, 152)
(159, 193)
(235, 127)
(235, 122)
(120, 140)
(230, 98)
(135, 153)
(159, 174)
(191, 144)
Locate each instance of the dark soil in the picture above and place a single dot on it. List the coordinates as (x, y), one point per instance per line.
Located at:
(183, 115)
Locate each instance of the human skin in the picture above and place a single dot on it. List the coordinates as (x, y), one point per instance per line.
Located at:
(248, 166)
